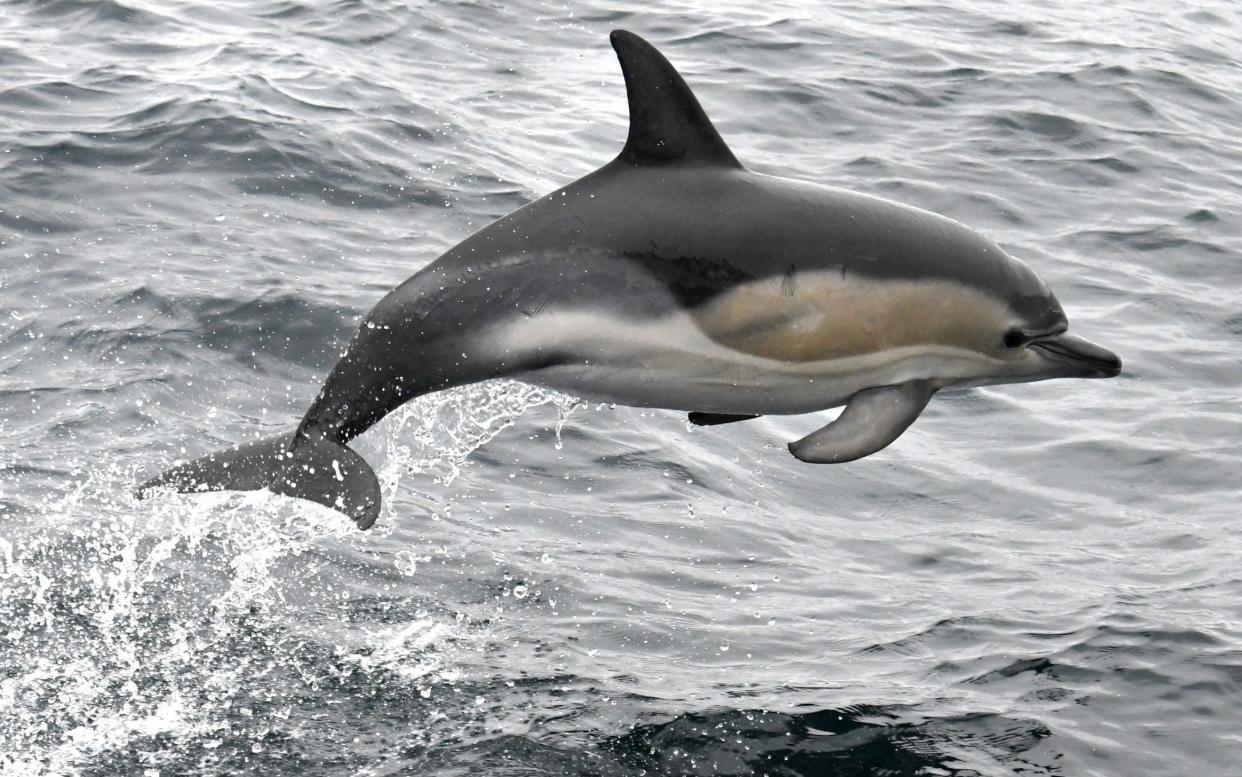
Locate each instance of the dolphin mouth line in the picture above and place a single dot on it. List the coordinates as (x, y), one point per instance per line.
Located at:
(1048, 334)
(1068, 348)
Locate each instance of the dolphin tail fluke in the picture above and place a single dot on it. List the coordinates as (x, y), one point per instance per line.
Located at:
(317, 469)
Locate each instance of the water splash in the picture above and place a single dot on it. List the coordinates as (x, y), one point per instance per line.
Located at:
(136, 613)
(185, 626)
(433, 435)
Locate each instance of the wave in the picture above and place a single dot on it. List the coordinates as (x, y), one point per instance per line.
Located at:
(197, 200)
(74, 13)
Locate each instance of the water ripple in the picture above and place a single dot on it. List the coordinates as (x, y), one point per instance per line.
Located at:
(198, 200)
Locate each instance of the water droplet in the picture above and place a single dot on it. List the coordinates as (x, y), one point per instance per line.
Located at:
(545, 559)
(406, 562)
(519, 591)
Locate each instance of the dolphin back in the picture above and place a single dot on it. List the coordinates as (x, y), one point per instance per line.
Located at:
(316, 469)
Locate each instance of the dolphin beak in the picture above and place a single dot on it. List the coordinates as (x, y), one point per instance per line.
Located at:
(1083, 358)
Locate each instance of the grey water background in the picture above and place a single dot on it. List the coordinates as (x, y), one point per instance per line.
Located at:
(199, 199)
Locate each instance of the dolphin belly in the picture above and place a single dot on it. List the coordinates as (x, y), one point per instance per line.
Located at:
(669, 362)
(766, 346)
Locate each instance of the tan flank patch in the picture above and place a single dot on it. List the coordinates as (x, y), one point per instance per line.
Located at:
(829, 316)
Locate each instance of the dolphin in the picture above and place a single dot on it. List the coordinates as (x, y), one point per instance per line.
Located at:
(673, 277)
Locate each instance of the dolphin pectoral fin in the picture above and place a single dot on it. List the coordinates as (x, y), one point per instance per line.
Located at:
(715, 419)
(872, 419)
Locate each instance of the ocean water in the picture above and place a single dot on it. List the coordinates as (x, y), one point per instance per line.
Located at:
(199, 199)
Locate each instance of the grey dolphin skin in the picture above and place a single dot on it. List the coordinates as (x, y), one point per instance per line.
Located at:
(673, 277)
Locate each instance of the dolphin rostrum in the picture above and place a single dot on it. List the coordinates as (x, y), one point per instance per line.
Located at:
(673, 277)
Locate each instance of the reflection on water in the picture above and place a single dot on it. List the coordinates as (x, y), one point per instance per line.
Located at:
(850, 742)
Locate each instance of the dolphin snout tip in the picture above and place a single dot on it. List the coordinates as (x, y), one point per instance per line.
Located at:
(1114, 367)
(1081, 356)
(1106, 363)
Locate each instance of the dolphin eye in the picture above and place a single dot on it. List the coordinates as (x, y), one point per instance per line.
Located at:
(1014, 338)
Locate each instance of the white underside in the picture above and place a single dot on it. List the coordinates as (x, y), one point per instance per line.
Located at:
(668, 362)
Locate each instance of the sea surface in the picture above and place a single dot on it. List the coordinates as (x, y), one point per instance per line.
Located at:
(198, 200)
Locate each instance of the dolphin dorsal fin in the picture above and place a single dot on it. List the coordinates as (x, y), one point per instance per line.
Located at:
(667, 124)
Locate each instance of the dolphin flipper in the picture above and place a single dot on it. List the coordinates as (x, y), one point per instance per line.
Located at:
(316, 469)
(715, 419)
(872, 419)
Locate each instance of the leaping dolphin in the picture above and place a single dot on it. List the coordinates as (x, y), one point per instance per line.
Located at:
(673, 277)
